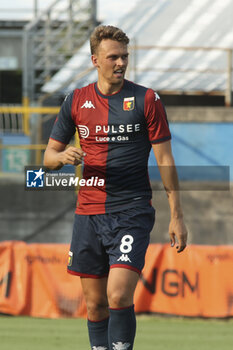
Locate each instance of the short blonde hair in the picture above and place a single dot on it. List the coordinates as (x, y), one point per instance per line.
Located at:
(106, 32)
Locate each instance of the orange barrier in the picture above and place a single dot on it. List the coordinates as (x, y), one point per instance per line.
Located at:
(198, 282)
(34, 281)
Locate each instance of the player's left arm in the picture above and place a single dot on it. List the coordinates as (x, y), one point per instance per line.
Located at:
(167, 168)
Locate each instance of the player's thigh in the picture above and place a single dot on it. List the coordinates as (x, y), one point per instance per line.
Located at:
(94, 288)
(121, 286)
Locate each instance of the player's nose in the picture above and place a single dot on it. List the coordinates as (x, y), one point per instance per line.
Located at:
(121, 62)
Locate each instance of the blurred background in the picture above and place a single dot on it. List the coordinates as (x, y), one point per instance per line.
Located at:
(180, 48)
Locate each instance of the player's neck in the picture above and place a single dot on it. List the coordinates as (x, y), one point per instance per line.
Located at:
(109, 89)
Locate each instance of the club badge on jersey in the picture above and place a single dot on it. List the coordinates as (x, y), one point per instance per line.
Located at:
(70, 258)
(128, 104)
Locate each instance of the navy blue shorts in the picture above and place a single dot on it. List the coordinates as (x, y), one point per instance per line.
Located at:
(104, 241)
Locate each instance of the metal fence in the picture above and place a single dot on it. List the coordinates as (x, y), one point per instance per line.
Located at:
(11, 122)
(17, 118)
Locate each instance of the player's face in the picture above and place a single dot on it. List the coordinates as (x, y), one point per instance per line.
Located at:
(111, 61)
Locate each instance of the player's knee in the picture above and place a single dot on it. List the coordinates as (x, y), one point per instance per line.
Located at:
(119, 298)
(97, 309)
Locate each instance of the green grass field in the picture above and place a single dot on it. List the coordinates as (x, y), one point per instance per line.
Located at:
(153, 333)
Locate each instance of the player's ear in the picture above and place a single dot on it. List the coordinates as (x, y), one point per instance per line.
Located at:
(94, 61)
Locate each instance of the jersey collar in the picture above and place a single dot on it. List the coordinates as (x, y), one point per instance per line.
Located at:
(108, 96)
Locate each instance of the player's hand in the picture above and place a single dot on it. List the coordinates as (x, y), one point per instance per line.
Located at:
(179, 233)
(72, 155)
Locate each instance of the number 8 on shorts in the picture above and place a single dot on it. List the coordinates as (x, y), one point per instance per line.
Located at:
(126, 244)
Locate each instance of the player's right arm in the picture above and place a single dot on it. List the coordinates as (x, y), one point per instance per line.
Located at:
(57, 154)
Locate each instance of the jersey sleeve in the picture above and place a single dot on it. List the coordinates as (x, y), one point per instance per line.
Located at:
(64, 127)
(156, 118)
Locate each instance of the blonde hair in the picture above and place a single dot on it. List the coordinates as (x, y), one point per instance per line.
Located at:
(106, 32)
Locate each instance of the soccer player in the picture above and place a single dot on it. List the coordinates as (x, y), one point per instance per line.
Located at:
(118, 122)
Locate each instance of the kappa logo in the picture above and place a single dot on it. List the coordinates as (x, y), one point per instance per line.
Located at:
(124, 257)
(99, 348)
(128, 104)
(83, 131)
(88, 104)
(157, 97)
(120, 346)
(66, 97)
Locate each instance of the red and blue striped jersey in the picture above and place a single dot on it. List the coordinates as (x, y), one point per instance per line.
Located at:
(116, 132)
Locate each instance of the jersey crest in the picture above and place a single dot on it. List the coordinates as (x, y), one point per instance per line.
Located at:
(128, 104)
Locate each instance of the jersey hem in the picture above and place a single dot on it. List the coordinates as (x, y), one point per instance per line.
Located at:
(117, 209)
(59, 141)
(161, 140)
